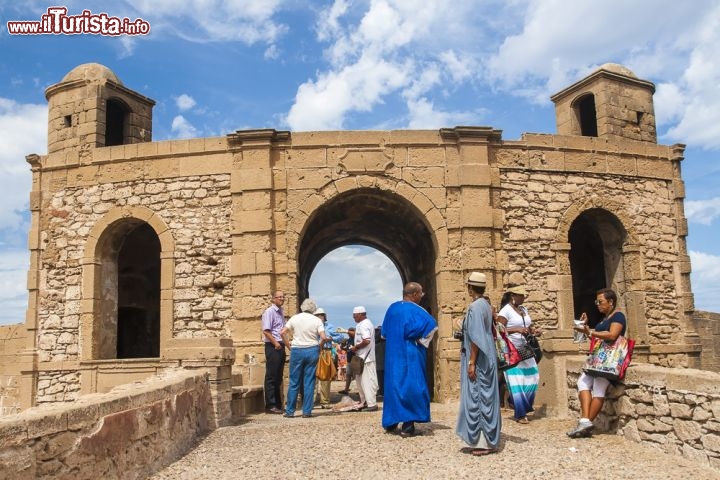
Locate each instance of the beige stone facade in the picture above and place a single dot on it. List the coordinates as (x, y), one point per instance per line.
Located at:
(146, 255)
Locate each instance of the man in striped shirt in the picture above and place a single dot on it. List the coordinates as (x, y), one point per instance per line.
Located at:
(273, 320)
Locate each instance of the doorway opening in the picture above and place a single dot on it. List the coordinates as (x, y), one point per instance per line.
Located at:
(596, 238)
(128, 317)
(379, 220)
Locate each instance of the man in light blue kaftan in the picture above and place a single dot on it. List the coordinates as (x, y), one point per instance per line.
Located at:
(407, 329)
(479, 422)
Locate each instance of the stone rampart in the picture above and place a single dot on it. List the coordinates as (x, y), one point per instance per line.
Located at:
(128, 433)
(12, 341)
(707, 325)
(677, 411)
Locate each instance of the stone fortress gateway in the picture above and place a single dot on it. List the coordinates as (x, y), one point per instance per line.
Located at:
(149, 255)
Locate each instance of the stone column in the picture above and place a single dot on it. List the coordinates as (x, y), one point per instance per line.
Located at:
(29, 357)
(253, 268)
(474, 236)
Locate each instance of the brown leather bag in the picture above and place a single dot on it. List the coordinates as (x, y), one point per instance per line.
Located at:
(325, 367)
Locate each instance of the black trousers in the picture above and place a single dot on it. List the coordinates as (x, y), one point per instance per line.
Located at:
(274, 366)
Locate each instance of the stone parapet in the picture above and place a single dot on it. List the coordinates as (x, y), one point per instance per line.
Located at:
(12, 343)
(675, 410)
(707, 325)
(130, 432)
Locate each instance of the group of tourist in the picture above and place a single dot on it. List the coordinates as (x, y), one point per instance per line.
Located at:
(312, 333)
(408, 330)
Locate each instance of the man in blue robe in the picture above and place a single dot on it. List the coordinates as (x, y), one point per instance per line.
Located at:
(407, 329)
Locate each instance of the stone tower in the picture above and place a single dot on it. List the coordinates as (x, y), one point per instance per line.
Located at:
(91, 108)
(611, 103)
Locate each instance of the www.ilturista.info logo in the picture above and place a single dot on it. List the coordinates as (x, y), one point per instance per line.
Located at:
(57, 22)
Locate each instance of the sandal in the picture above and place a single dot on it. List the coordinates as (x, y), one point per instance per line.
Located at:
(480, 452)
(523, 420)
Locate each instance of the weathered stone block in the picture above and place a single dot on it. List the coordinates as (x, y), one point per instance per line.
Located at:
(695, 455)
(687, 430)
(681, 410)
(55, 445)
(711, 442)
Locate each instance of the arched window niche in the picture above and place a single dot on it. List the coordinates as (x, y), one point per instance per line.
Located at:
(117, 115)
(586, 114)
(128, 300)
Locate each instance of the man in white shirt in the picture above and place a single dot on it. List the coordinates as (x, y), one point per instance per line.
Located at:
(365, 349)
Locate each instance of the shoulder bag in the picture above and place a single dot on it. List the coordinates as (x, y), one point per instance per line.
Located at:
(357, 364)
(532, 343)
(326, 369)
(507, 354)
(609, 359)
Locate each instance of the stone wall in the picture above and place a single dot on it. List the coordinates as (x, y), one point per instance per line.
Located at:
(535, 203)
(130, 432)
(707, 325)
(13, 339)
(675, 410)
(197, 210)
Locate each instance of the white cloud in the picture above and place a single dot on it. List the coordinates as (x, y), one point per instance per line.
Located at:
(460, 69)
(551, 48)
(185, 102)
(14, 266)
(182, 128)
(697, 92)
(380, 49)
(705, 278)
(703, 211)
(23, 130)
(127, 45)
(323, 104)
(423, 115)
(271, 53)
(675, 46)
(355, 275)
(247, 21)
(328, 24)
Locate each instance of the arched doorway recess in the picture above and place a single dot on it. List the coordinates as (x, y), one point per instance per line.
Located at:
(128, 317)
(596, 240)
(379, 219)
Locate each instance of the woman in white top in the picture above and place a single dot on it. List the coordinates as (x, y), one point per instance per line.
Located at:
(521, 380)
(307, 330)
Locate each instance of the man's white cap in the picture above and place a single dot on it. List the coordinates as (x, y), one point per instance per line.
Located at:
(319, 311)
(359, 310)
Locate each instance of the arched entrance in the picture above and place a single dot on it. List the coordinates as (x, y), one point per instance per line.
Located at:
(596, 239)
(379, 219)
(129, 297)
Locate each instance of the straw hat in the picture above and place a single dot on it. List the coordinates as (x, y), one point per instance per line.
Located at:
(518, 290)
(477, 279)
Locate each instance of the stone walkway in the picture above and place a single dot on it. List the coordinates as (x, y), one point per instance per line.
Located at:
(352, 445)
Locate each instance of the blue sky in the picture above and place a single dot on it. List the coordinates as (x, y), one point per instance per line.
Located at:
(214, 67)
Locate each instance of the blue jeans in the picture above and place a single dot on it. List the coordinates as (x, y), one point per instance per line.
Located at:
(303, 362)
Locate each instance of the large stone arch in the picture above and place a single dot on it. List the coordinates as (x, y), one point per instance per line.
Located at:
(349, 190)
(387, 215)
(100, 275)
(599, 225)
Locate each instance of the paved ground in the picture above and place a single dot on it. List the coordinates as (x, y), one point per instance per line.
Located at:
(329, 445)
